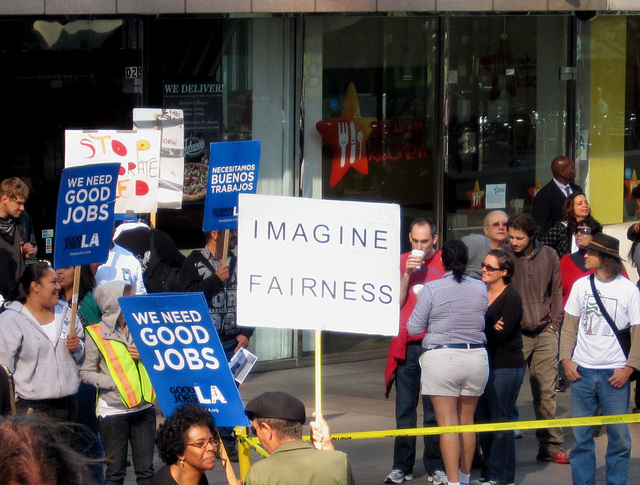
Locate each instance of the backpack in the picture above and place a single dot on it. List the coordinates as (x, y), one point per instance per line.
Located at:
(160, 276)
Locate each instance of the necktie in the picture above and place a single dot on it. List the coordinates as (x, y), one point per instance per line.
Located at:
(567, 189)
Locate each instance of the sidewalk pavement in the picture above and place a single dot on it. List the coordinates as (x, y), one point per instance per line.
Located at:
(353, 400)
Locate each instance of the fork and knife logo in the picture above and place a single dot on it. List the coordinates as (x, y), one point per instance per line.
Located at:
(344, 130)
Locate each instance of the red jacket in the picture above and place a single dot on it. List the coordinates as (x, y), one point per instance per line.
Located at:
(432, 269)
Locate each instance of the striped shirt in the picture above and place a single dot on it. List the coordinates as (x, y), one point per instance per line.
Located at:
(452, 312)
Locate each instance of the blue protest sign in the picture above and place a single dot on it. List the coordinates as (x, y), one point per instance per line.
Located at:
(233, 169)
(181, 351)
(84, 217)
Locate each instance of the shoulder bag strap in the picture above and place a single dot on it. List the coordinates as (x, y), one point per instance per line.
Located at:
(606, 315)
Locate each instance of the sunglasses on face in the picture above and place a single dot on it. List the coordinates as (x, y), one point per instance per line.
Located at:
(583, 230)
(488, 267)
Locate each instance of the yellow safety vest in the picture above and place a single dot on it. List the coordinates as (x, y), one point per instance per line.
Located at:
(131, 377)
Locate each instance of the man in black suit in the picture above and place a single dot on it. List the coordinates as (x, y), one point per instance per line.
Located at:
(548, 202)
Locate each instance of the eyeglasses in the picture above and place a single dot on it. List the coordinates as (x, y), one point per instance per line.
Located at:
(203, 444)
(498, 224)
(488, 267)
(583, 230)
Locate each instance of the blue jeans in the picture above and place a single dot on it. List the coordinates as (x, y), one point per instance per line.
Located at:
(497, 405)
(587, 394)
(116, 432)
(407, 396)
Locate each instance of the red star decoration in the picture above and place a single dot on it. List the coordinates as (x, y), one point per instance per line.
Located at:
(348, 137)
(475, 196)
(534, 190)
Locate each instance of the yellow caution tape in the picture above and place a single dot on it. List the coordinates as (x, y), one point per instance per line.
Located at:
(479, 428)
(470, 428)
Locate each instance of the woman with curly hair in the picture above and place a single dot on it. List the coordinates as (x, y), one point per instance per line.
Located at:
(561, 236)
(187, 442)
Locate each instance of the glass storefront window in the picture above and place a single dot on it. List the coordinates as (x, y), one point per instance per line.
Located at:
(62, 74)
(373, 111)
(506, 114)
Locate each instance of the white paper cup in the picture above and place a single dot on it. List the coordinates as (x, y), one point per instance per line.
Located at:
(418, 253)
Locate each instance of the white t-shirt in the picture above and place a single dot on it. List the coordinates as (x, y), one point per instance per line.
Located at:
(597, 346)
(122, 265)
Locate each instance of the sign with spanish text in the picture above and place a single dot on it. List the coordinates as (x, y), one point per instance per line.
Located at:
(84, 218)
(182, 353)
(315, 264)
(233, 170)
(138, 154)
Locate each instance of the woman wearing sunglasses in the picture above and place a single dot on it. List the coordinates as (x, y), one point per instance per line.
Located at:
(572, 265)
(506, 364)
(188, 443)
(561, 236)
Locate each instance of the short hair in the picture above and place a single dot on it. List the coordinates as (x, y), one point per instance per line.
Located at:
(488, 217)
(171, 437)
(455, 257)
(505, 263)
(423, 221)
(636, 192)
(524, 223)
(36, 449)
(207, 236)
(284, 429)
(13, 188)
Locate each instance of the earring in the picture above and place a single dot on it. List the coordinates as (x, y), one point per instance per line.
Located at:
(182, 462)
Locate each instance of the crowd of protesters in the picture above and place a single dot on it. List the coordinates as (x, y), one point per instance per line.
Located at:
(474, 317)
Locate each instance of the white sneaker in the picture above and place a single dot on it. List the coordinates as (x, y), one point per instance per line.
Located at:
(438, 477)
(398, 476)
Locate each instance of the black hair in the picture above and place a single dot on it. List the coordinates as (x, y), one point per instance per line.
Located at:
(87, 283)
(504, 263)
(524, 223)
(455, 257)
(591, 223)
(171, 437)
(22, 287)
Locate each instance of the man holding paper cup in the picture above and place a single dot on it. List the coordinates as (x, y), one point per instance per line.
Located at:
(421, 265)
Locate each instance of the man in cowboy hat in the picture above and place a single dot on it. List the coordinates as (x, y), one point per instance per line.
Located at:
(599, 349)
(277, 419)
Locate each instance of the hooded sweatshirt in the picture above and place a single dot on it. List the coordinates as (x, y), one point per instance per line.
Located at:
(42, 369)
(94, 370)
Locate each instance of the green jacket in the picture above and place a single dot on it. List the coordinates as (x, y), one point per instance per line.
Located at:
(299, 463)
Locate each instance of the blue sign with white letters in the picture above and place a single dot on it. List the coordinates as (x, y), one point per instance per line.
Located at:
(84, 217)
(182, 354)
(233, 170)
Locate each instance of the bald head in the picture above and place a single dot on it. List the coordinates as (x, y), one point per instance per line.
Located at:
(563, 169)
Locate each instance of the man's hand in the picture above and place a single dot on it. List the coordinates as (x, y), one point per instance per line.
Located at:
(413, 264)
(620, 376)
(243, 341)
(28, 250)
(223, 272)
(73, 342)
(133, 351)
(571, 370)
(320, 433)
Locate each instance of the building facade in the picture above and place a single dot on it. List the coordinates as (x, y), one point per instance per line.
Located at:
(446, 111)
